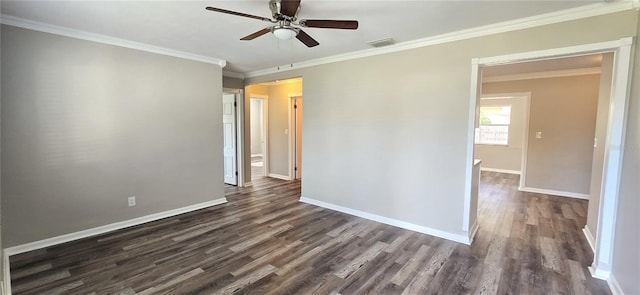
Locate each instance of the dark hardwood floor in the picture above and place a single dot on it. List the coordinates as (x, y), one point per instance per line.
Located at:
(263, 241)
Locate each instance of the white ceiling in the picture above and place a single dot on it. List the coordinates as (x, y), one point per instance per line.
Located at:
(186, 25)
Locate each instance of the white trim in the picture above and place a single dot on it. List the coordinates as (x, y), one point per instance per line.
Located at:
(569, 51)
(78, 34)
(279, 176)
(6, 273)
(599, 274)
(390, 221)
(614, 152)
(585, 11)
(240, 137)
(475, 88)
(507, 171)
(256, 155)
(554, 193)
(542, 75)
(614, 285)
(231, 74)
(107, 228)
(474, 230)
(589, 238)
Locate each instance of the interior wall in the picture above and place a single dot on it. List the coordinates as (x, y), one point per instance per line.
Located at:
(602, 118)
(232, 83)
(564, 110)
(86, 125)
(279, 116)
(506, 157)
(626, 257)
(387, 134)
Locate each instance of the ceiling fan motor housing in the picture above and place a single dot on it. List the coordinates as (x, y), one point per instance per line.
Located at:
(276, 11)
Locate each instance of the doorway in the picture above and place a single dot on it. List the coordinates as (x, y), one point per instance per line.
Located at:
(296, 137)
(616, 117)
(258, 123)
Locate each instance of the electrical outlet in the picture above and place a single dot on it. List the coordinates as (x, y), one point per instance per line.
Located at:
(132, 201)
(539, 134)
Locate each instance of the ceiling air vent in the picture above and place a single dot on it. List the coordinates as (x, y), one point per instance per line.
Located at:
(382, 42)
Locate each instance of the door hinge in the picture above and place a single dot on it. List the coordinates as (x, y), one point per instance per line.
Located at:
(236, 173)
(235, 104)
(295, 168)
(295, 106)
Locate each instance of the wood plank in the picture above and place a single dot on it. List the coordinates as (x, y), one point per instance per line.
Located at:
(264, 241)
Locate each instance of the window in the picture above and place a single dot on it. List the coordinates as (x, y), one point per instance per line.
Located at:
(494, 125)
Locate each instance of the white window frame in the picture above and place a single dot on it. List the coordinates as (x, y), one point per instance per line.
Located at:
(480, 124)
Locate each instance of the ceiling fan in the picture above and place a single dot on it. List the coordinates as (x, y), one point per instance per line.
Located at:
(286, 23)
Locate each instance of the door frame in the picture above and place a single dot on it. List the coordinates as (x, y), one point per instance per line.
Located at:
(239, 97)
(265, 132)
(616, 128)
(292, 135)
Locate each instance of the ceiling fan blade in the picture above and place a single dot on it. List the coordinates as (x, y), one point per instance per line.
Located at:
(256, 34)
(289, 7)
(238, 13)
(330, 24)
(306, 39)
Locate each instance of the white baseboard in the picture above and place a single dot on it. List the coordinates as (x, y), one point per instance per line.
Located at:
(555, 193)
(390, 221)
(500, 170)
(589, 237)
(106, 228)
(599, 273)
(256, 155)
(473, 231)
(614, 286)
(278, 176)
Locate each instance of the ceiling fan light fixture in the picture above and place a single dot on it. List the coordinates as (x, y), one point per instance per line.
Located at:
(284, 33)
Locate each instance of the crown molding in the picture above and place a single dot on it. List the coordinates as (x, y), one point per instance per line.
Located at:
(231, 74)
(542, 75)
(282, 82)
(78, 34)
(590, 10)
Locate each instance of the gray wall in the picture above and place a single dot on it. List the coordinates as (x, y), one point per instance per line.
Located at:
(386, 134)
(232, 83)
(626, 257)
(564, 110)
(506, 157)
(604, 97)
(86, 125)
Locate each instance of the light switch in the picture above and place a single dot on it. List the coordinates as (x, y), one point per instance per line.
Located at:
(539, 134)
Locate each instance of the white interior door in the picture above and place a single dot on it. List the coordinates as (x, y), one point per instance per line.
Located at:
(298, 137)
(229, 131)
